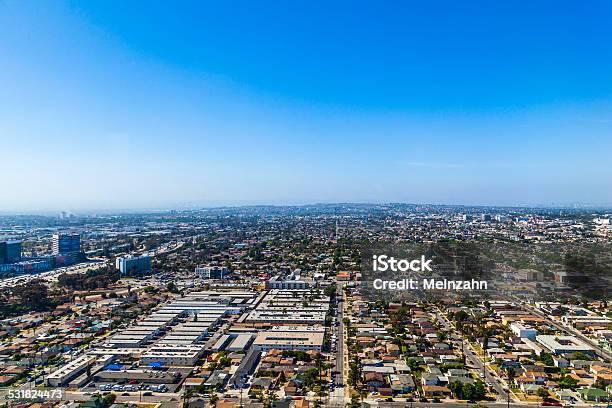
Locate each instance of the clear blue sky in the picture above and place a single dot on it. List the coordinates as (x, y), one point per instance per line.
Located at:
(114, 104)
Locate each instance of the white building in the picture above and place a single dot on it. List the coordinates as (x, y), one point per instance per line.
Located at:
(75, 367)
(563, 344)
(173, 355)
(522, 331)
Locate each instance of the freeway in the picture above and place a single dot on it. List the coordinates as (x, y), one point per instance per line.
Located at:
(50, 276)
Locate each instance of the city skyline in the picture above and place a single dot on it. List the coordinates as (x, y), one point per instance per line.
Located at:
(216, 105)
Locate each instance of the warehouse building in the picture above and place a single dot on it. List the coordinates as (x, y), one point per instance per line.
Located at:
(288, 340)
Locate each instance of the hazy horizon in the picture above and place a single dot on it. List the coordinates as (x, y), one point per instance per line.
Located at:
(110, 105)
(52, 212)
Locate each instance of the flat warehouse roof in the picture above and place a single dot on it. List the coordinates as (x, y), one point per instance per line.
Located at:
(278, 337)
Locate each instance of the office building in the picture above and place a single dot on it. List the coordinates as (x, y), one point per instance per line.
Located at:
(64, 244)
(67, 248)
(134, 264)
(10, 252)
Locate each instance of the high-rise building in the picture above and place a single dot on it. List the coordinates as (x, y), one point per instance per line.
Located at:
(10, 252)
(133, 264)
(67, 247)
(64, 244)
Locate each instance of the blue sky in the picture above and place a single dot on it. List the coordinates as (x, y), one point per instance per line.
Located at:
(159, 104)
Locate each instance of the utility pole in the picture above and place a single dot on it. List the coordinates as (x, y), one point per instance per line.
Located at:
(508, 390)
(484, 369)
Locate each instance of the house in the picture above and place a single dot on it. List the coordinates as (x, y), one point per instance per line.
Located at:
(593, 394)
(290, 388)
(522, 381)
(565, 395)
(95, 402)
(193, 382)
(261, 383)
(302, 403)
(402, 384)
(560, 362)
(462, 380)
(393, 349)
(530, 389)
(458, 372)
(374, 380)
(429, 379)
(431, 391)
(604, 378)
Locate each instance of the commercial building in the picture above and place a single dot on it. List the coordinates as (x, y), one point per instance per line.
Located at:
(139, 376)
(241, 342)
(580, 322)
(66, 243)
(68, 246)
(10, 252)
(72, 369)
(188, 333)
(221, 343)
(290, 282)
(173, 355)
(290, 340)
(133, 265)
(523, 331)
(191, 305)
(285, 317)
(212, 272)
(29, 266)
(563, 344)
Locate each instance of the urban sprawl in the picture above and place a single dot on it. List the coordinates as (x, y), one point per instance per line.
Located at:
(265, 307)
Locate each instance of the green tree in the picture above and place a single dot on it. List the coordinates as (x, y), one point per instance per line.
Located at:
(547, 359)
(456, 388)
(108, 400)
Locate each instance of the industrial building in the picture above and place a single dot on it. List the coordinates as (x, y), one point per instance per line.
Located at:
(288, 340)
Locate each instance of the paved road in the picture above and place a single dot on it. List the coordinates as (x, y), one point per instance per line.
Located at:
(474, 360)
(336, 398)
(383, 404)
(50, 276)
